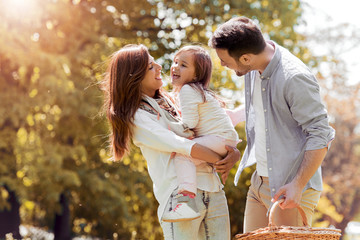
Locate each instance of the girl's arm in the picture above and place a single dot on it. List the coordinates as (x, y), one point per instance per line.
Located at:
(189, 99)
(237, 115)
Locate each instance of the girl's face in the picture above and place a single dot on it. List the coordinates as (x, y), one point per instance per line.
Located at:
(152, 80)
(182, 70)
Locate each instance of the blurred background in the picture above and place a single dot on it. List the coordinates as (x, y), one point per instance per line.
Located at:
(56, 179)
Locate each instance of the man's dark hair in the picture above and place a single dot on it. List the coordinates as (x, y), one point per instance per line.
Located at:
(239, 36)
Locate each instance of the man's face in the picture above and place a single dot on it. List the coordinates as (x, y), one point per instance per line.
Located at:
(230, 62)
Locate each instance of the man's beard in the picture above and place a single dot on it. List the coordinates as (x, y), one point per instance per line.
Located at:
(242, 73)
(239, 74)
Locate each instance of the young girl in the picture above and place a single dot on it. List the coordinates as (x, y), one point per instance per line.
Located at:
(202, 112)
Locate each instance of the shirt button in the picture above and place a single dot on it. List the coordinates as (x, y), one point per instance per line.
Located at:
(267, 78)
(266, 129)
(265, 110)
(268, 149)
(263, 89)
(270, 169)
(262, 77)
(273, 189)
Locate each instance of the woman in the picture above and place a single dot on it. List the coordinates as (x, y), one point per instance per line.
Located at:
(138, 109)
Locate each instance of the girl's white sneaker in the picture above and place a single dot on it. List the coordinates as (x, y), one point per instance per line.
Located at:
(182, 212)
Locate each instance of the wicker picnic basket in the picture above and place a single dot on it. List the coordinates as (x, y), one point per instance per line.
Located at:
(287, 232)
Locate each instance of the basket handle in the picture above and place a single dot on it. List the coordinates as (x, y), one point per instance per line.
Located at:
(272, 211)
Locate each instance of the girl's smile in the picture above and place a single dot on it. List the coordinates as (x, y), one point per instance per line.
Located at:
(183, 70)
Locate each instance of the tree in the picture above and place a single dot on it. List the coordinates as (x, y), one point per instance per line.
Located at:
(10, 217)
(340, 202)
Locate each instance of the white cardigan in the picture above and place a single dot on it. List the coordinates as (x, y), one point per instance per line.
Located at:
(157, 143)
(205, 118)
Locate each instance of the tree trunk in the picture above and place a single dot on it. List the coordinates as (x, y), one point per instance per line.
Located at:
(10, 219)
(62, 221)
(355, 206)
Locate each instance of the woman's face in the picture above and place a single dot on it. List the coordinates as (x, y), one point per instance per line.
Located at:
(152, 80)
(182, 70)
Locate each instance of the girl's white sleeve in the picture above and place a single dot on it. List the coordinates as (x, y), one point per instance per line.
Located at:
(189, 105)
(148, 132)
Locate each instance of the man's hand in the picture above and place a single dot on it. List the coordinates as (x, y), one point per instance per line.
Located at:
(224, 166)
(292, 195)
(293, 191)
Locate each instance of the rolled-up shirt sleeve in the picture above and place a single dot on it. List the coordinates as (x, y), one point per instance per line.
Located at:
(189, 105)
(303, 96)
(150, 133)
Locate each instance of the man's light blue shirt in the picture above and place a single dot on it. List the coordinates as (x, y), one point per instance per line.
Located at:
(295, 119)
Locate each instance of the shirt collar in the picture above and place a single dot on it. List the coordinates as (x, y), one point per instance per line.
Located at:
(270, 68)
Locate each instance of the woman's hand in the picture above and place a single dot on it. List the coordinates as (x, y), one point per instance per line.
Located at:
(224, 177)
(224, 166)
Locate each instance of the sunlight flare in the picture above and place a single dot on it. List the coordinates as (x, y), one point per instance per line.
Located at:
(19, 4)
(17, 8)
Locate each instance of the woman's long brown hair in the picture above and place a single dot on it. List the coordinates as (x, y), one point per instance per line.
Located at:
(123, 95)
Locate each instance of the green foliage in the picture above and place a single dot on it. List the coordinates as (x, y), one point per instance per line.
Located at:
(53, 138)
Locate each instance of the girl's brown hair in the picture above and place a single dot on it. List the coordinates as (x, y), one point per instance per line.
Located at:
(122, 87)
(203, 69)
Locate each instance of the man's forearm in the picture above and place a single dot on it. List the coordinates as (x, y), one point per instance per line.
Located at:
(311, 162)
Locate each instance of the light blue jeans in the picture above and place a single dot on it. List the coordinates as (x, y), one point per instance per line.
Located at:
(213, 224)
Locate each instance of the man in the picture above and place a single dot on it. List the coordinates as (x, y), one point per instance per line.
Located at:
(287, 127)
